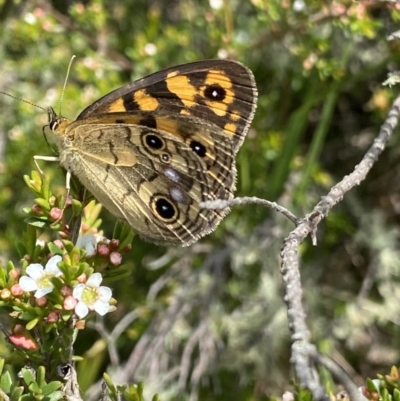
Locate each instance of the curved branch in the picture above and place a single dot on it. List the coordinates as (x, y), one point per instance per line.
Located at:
(301, 346)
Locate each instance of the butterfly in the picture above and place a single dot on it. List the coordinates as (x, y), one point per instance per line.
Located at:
(152, 150)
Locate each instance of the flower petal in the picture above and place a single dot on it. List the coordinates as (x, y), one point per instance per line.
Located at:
(81, 309)
(78, 290)
(87, 242)
(105, 294)
(51, 265)
(35, 270)
(94, 280)
(41, 292)
(101, 307)
(27, 283)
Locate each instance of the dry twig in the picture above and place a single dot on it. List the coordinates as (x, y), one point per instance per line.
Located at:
(302, 349)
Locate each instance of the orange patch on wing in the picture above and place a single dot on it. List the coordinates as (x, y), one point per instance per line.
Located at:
(218, 108)
(235, 115)
(181, 86)
(145, 101)
(168, 125)
(230, 127)
(117, 106)
(216, 77)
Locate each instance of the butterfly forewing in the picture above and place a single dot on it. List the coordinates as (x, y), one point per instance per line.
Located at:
(219, 91)
(154, 149)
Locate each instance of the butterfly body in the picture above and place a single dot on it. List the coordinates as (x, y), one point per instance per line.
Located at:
(152, 150)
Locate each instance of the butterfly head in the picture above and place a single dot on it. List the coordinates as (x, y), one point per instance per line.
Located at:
(57, 123)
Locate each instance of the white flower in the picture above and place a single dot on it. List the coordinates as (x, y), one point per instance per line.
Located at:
(91, 296)
(216, 4)
(39, 279)
(88, 243)
(150, 49)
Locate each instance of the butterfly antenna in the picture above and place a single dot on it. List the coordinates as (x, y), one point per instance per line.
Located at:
(65, 82)
(23, 100)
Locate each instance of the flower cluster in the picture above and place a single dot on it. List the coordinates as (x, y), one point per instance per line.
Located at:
(101, 246)
(85, 296)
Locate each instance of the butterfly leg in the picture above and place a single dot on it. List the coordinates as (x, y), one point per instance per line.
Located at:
(46, 158)
(53, 159)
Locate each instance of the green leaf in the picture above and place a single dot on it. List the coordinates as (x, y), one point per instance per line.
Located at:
(28, 376)
(2, 363)
(57, 395)
(6, 381)
(25, 397)
(54, 249)
(140, 388)
(17, 393)
(51, 387)
(3, 276)
(131, 396)
(396, 395)
(33, 184)
(76, 207)
(29, 239)
(385, 395)
(26, 315)
(117, 273)
(30, 325)
(371, 385)
(126, 239)
(43, 203)
(21, 249)
(34, 388)
(41, 376)
(37, 221)
(109, 382)
(46, 192)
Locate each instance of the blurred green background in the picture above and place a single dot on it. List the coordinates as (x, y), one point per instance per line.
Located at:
(210, 320)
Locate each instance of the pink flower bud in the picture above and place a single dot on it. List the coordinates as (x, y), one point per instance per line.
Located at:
(69, 303)
(114, 244)
(52, 317)
(42, 301)
(115, 258)
(55, 213)
(15, 273)
(103, 250)
(16, 290)
(59, 243)
(66, 290)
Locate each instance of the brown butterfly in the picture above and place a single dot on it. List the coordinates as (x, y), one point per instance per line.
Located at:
(152, 150)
